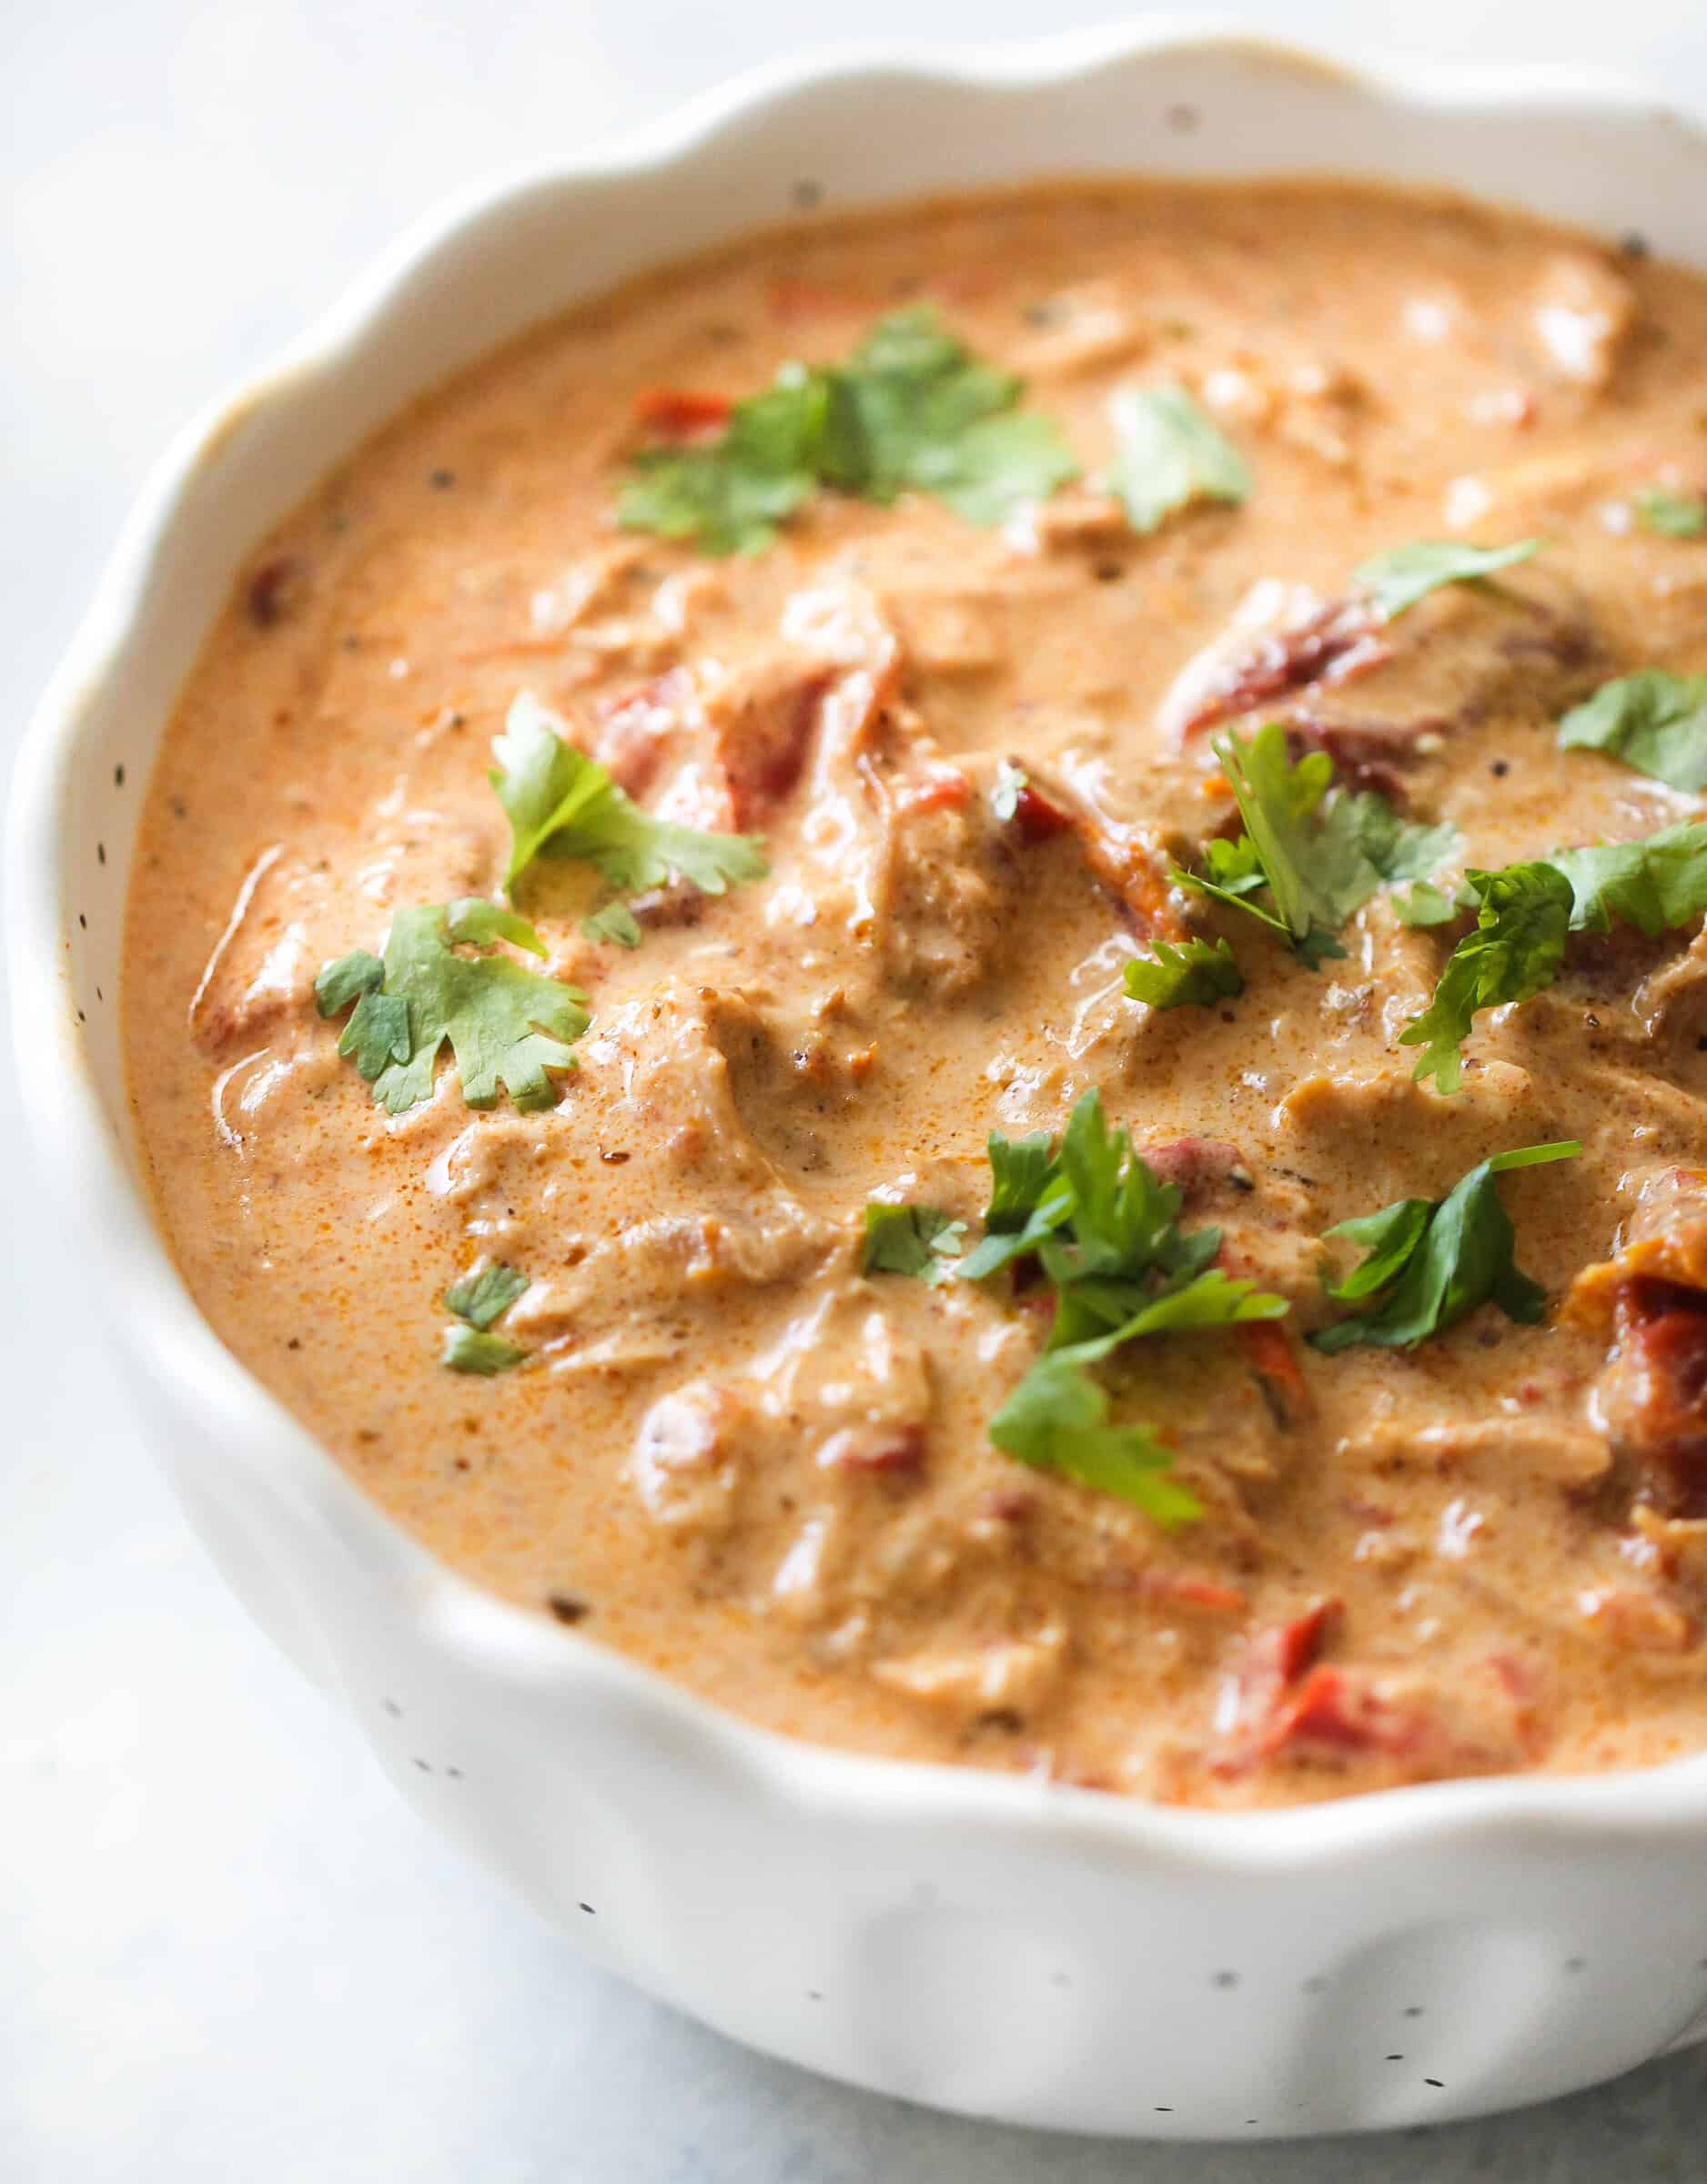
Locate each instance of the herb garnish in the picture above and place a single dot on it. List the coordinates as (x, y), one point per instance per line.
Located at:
(485, 1294)
(467, 1350)
(1319, 851)
(1672, 515)
(1187, 974)
(912, 409)
(507, 1024)
(1401, 576)
(1431, 1262)
(1526, 912)
(921, 1240)
(1169, 454)
(1655, 722)
(1102, 1228)
(561, 804)
(1514, 952)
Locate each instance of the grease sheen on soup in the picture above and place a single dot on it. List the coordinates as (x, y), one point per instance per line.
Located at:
(729, 1453)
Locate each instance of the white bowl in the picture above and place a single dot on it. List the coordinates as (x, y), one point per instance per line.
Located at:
(965, 1938)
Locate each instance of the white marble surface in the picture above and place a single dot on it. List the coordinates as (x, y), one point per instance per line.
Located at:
(225, 1952)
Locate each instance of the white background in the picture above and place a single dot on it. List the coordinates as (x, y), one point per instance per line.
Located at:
(225, 1952)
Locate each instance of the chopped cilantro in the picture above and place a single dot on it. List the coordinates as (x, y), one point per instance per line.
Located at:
(910, 409)
(1192, 974)
(1672, 515)
(1524, 913)
(1104, 1230)
(1057, 1419)
(1430, 1263)
(1005, 793)
(1514, 952)
(729, 498)
(616, 925)
(1169, 453)
(1321, 852)
(485, 1294)
(1654, 884)
(1655, 722)
(467, 1349)
(920, 1240)
(562, 804)
(1399, 578)
(1425, 904)
(506, 1026)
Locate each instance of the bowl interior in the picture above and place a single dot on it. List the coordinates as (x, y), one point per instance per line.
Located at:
(1221, 107)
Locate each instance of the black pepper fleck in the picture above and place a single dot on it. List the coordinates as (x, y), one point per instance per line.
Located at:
(83, 921)
(1633, 244)
(119, 777)
(590, 1911)
(100, 853)
(567, 1608)
(806, 194)
(441, 479)
(1499, 769)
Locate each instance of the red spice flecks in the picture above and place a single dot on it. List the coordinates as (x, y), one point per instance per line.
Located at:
(277, 589)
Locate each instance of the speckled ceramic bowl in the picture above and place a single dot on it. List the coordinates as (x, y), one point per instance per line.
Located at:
(965, 1938)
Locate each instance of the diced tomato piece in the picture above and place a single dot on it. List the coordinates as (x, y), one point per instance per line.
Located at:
(682, 412)
(942, 789)
(1035, 818)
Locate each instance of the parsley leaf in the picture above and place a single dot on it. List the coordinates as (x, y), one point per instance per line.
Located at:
(1514, 952)
(1399, 578)
(729, 498)
(1653, 885)
(1321, 852)
(1672, 515)
(561, 804)
(1195, 974)
(1655, 722)
(506, 1026)
(921, 1240)
(1437, 1260)
(485, 1294)
(1170, 453)
(467, 1349)
(1057, 1419)
(910, 409)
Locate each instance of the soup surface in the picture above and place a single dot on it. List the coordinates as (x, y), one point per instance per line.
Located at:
(986, 718)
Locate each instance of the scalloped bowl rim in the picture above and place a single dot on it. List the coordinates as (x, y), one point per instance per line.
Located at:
(169, 1338)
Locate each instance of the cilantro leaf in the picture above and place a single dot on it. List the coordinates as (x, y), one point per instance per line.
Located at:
(910, 409)
(1655, 722)
(484, 923)
(485, 1294)
(467, 1349)
(1514, 952)
(1103, 1229)
(1672, 515)
(730, 498)
(1057, 1419)
(1399, 578)
(340, 983)
(1424, 905)
(1437, 1260)
(506, 1026)
(920, 1240)
(1654, 884)
(1169, 453)
(1193, 974)
(616, 925)
(1321, 852)
(561, 804)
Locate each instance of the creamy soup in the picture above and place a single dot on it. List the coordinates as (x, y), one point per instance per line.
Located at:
(1051, 750)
